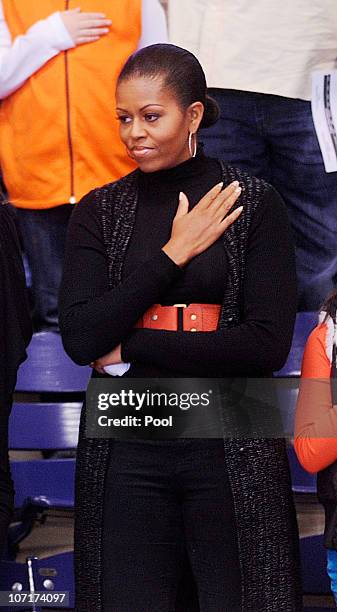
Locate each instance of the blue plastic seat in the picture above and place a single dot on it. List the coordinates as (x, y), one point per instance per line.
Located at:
(44, 425)
(48, 480)
(48, 369)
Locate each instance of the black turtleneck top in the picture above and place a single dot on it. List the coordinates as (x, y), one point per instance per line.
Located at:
(94, 319)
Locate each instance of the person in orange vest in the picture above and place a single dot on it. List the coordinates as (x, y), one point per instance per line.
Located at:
(58, 132)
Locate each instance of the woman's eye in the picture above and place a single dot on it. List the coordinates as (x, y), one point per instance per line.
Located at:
(124, 118)
(151, 117)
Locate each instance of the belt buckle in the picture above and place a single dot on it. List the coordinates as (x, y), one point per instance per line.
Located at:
(180, 318)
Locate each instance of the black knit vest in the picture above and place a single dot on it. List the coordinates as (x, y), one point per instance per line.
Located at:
(265, 516)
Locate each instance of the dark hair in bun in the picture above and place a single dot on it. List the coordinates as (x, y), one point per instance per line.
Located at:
(181, 71)
(211, 113)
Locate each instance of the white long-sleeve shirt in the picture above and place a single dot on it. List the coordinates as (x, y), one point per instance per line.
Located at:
(21, 58)
(267, 46)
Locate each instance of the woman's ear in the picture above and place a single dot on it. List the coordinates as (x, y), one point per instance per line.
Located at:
(196, 111)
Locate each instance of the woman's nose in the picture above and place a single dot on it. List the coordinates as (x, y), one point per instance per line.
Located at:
(137, 129)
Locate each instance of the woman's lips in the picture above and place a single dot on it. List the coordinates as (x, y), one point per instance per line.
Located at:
(141, 152)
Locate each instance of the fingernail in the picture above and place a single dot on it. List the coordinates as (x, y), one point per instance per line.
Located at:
(235, 184)
(239, 209)
(181, 195)
(220, 185)
(238, 190)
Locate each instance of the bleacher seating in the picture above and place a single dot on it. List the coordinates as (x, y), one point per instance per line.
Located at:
(45, 416)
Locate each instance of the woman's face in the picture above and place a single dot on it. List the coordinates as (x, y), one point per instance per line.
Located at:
(153, 126)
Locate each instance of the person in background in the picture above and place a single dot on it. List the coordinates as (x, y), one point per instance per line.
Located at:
(316, 422)
(258, 58)
(15, 334)
(58, 132)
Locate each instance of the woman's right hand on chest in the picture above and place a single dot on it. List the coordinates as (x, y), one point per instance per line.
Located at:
(193, 232)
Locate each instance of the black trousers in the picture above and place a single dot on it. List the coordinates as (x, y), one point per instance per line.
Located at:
(165, 499)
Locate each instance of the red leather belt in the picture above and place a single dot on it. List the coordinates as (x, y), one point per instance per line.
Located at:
(194, 317)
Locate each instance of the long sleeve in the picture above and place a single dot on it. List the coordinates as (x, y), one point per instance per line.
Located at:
(316, 418)
(262, 341)
(21, 58)
(154, 26)
(93, 318)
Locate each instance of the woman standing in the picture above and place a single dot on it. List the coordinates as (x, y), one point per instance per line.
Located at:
(168, 234)
(15, 334)
(316, 422)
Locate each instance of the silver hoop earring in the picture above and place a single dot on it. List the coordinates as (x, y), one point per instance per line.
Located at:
(192, 149)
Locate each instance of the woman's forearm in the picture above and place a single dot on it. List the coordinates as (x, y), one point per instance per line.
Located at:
(94, 318)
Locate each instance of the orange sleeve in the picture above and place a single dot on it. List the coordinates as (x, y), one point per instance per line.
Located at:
(316, 418)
